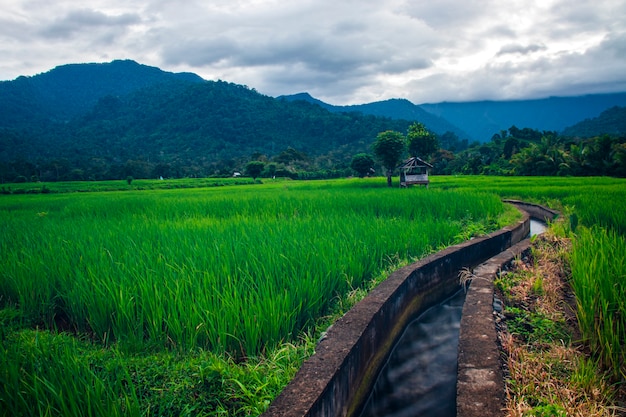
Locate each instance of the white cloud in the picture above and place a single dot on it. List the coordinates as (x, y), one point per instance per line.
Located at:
(342, 52)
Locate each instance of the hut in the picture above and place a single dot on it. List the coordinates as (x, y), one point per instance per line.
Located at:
(414, 171)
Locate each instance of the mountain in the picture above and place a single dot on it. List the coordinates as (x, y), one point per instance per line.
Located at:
(179, 128)
(611, 121)
(392, 108)
(482, 119)
(70, 90)
(107, 121)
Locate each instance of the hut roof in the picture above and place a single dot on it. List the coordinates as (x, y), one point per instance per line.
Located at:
(414, 162)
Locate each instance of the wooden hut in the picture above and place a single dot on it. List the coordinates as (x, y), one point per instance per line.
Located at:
(414, 171)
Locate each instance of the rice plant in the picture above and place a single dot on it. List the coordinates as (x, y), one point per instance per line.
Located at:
(217, 269)
(598, 262)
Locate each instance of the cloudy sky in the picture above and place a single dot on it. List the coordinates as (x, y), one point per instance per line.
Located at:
(341, 51)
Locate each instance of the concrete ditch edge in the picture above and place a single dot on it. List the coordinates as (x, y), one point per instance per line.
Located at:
(337, 379)
(480, 380)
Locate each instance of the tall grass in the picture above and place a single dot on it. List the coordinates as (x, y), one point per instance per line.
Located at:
(229, 271)
(598, 255)
(51, 379)
(142, 286)
(598, 262)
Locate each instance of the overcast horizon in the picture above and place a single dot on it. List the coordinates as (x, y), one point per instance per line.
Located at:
(349, 52)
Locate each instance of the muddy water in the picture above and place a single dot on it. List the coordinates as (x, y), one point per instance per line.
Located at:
(420, 376)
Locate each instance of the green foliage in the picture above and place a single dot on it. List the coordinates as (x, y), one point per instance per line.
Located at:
(598, 262)
(421, 142)
(166, 130)
(389, 148)
(362, 164)
(254, 169)
(530, 152)
(534, 327)
(546, 410)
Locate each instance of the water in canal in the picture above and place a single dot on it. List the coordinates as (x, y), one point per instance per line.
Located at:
(420, 377)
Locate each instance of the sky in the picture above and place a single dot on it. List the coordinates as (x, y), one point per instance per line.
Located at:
(340, 51)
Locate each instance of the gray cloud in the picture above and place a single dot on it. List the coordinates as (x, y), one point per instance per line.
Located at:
(344, 52)
(514, 48)
(79, 21)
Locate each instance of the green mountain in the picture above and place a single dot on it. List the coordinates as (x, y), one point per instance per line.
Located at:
(178, 128)
(70, 90)
(109, 121)
(392, 108)
(611, 121)
(483, 119)
(480, 120)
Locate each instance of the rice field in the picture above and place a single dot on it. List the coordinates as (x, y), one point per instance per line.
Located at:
(93, 284)
(204, 301)
(595, 219)
(598, 262)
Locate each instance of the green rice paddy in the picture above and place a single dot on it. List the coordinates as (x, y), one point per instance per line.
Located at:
(204, 301)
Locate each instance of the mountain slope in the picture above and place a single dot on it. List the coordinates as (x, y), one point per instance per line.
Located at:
(482, 119)
(393, 108)
(611, 121)
(189, 129)
(70, 90)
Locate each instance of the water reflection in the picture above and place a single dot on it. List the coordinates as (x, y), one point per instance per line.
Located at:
(420, 376)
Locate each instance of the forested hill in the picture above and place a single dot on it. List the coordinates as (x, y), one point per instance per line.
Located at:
(392, 108)
(482, 119)
(611, 121)
(70, 90)
(180, 129)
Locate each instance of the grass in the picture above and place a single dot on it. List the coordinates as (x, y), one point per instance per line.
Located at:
(184, 301)
(598, 262)
(549, 372)
(119, 185)
(595, 220)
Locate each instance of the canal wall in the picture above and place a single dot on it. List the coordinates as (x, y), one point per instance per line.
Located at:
(480, 381)
(337, 379)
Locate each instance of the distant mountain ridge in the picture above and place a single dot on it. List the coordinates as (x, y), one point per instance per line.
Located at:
(611, 121)
(480, 120)
(394, 108)
(106, 120)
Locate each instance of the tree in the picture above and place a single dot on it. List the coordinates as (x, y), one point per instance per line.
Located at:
(421, 142)
(389, 148)
(362, 163)
(254, 169)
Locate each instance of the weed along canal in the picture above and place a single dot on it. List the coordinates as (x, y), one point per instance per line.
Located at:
(404, 349)
(420, 377)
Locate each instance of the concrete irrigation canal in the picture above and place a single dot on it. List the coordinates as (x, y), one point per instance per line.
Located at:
(361, 368)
